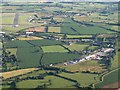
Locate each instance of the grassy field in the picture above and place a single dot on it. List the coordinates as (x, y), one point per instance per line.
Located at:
(29, 57)
(54, 83)
(107, 78)
(83, 79)
(54, 29)
(77, 47)
(54, 48)
(52, 58)
(19, 72)
(92, 66)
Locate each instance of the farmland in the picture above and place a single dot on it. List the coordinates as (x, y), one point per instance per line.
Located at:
(55, 48)
(54, 29)
(58, 57)
(59, 44)
(77, 47)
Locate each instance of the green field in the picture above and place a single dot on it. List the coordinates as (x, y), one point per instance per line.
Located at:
(54, 48)
(79, 36)
(107, 79)
(29, 57)
(17, 43)
(54, 83)
(83, 79)
(77, 47)
(54, 58)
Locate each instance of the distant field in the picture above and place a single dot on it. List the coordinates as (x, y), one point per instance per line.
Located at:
(54, 29)
(71, 27)
(19, 72)
(53, 58)
(77, 47)
(54, 48)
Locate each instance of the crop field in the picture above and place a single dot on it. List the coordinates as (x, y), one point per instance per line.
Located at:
(29, 38)
(77, 47)
(19, 72)
(54, 29)
(54, 48)
(55, 58)
(82, 78)
(107, 78)
(29, 57)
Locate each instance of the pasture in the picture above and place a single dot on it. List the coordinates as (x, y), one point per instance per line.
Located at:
(54, 83)
(92, 66)
(54, 48)
(84, 79)
(55, 58)
(29, 57)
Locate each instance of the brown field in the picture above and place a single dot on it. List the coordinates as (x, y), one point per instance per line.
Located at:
(112, 85)
(14, 73)
(29, 38)
(37, 29)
